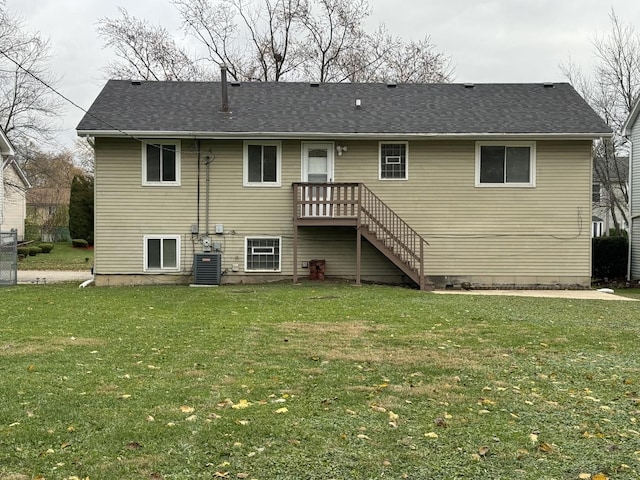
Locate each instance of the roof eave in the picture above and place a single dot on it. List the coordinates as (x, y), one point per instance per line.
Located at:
(16, 168)
(140, 134)
(6, 147)
(631, 119)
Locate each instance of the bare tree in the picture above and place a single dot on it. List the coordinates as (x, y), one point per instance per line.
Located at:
(414, 62)
(146, 51)
(29, 109)
(273, 40)
(612, 89)
(50, 175)
(84, 155)
(333, 32)
(255, 41)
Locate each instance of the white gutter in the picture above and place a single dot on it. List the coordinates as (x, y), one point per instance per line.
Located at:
(139, 134)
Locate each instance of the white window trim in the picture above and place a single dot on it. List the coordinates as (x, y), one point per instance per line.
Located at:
(161, 237)
(597, 228)
(532, 165)
(245, 163)
(160, 183)
(593, 192)
(304, 168)
(406, 166)
(261, 237)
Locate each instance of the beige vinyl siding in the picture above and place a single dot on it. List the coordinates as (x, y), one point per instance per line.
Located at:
(541, 232)
(635, 201)
(15, 203)
(125, 210)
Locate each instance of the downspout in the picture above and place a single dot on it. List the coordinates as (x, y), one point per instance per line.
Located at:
(198, 188)
(630, 223)
(208, 159)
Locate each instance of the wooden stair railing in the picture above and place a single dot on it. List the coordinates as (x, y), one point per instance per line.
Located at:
(398, 237)
(355, 204)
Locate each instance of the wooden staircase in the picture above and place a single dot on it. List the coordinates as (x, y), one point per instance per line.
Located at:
(354, 204)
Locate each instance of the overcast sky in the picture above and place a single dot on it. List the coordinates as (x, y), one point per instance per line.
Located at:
(488, 40)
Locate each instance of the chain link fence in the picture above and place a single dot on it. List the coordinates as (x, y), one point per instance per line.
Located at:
(8, 258)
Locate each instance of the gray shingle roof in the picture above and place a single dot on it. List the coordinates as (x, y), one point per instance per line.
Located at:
(294, 108)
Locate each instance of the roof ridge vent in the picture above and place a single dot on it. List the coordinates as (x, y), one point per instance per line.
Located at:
(235, 84)
(136, 82)
(548, 85)
(469, 85)
(392, 85)
(314, 84)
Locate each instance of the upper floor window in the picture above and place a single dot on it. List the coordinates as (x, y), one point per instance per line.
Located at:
(161, 163)
(393, 160)
(262, 164)
(595, 193)
(505, 164)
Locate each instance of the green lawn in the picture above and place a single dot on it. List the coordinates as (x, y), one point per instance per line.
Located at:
(62, 257)
(318, 381)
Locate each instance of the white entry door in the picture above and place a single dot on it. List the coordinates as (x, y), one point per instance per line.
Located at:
(317, 167)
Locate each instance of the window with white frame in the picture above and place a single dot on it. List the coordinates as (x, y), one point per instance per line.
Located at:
(161, 163)
(162, 253)
(595, 193)
(597, 227)
(393, 161)
(262, 254)
(510, 164)
(262, 164)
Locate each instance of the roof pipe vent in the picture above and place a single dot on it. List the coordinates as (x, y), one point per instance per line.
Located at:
(358, 103)
(224, 88)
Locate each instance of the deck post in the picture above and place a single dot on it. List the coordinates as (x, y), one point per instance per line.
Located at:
(422, 280)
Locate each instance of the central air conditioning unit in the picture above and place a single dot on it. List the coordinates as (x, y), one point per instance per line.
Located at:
(207, 268)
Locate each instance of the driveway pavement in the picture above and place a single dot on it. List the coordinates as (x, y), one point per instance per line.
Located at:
(573, 294)
(52, 276)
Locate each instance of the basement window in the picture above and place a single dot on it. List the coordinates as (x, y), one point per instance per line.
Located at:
(161, 253)
(262, 254)
(161, 163)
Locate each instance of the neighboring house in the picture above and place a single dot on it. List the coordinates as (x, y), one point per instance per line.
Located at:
(16, 185)
(604, 206)
(446, 183)
(48, 210)
(631, 130)
(6, 151)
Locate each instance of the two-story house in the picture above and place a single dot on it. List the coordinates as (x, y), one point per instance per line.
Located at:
(432, 184)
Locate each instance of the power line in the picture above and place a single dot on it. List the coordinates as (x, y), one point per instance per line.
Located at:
(64, 97)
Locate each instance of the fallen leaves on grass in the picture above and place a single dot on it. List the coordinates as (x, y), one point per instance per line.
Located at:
(483, 451)
(545, 447)
(187, 409)
(242, 403)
